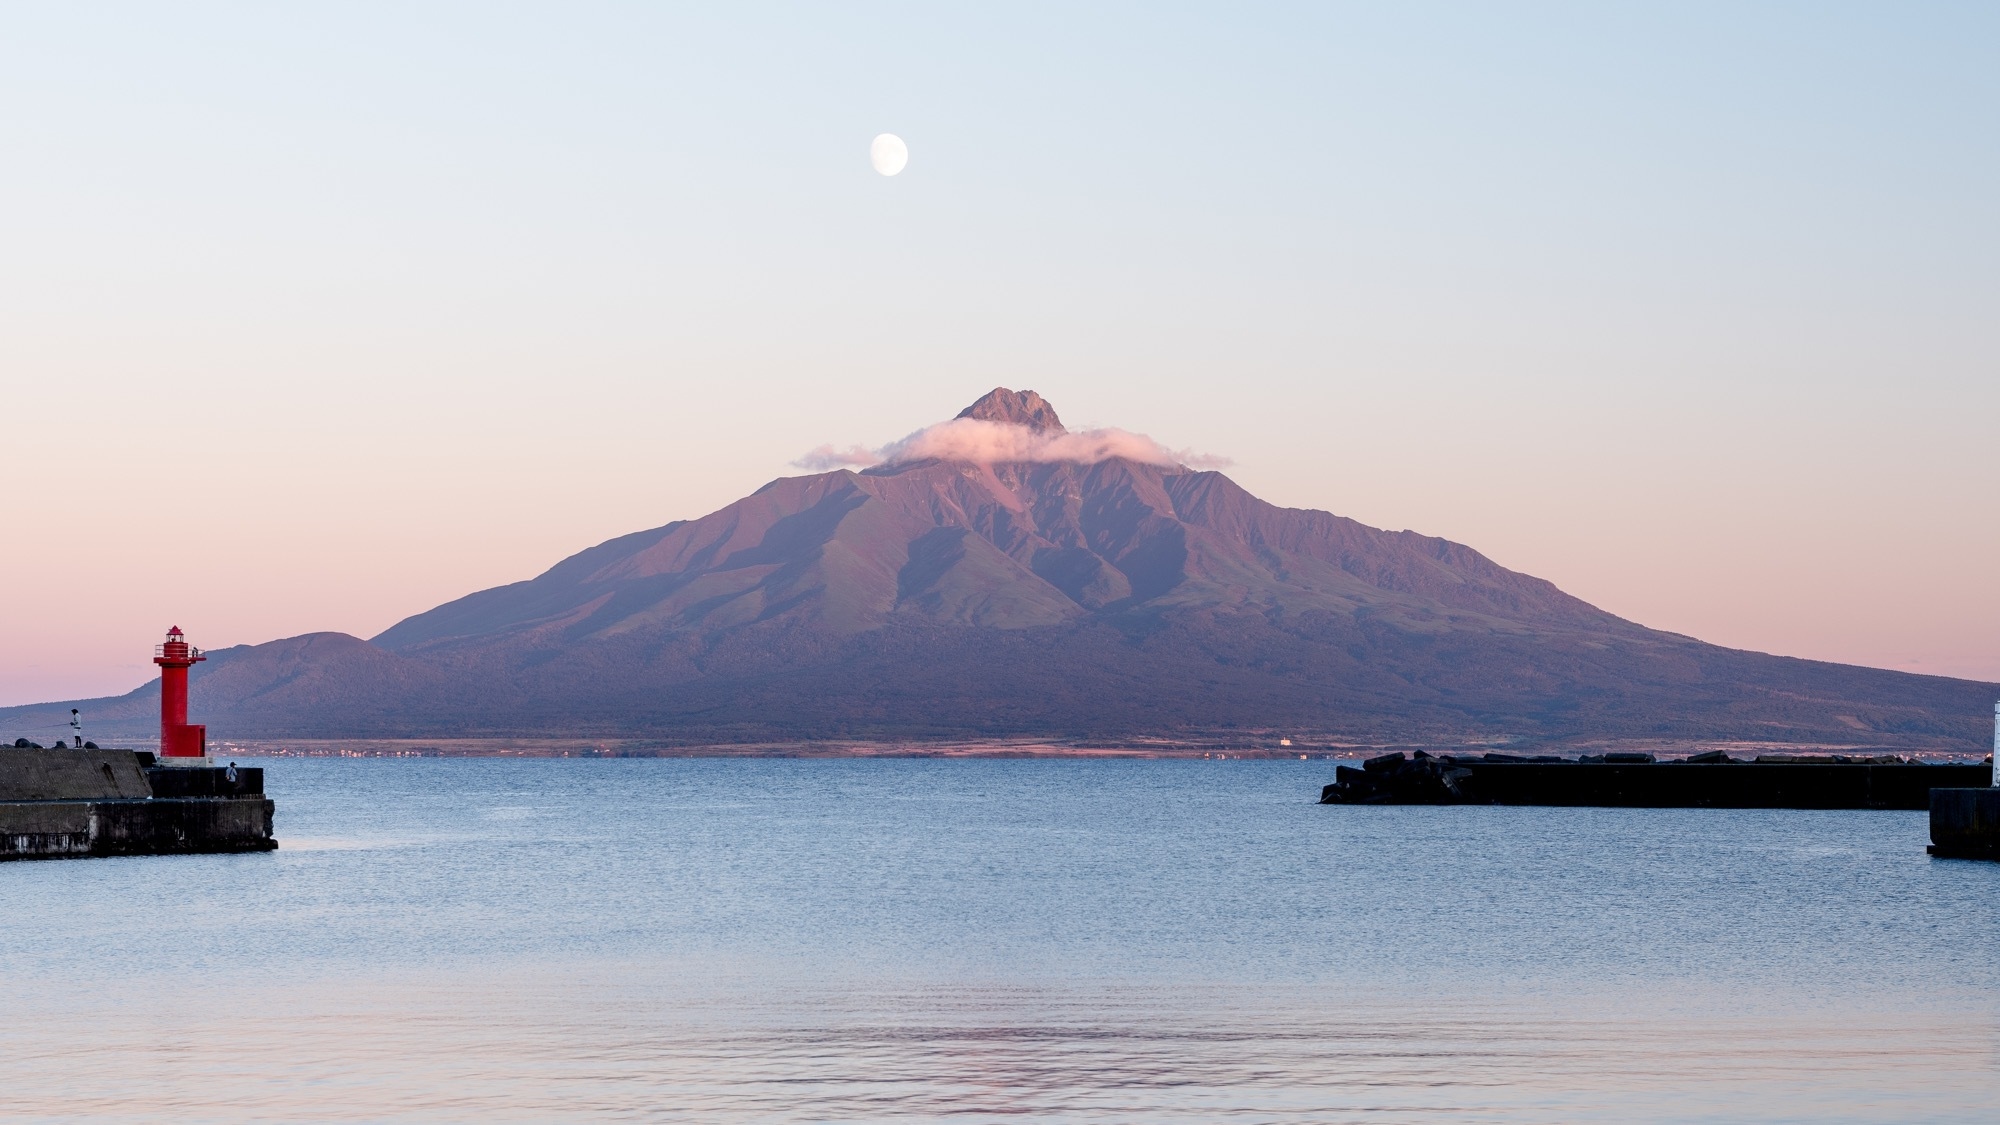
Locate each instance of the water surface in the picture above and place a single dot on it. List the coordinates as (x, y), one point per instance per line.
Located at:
(979, 940)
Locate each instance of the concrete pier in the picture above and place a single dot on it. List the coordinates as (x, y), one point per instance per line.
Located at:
(71, 803)
(1713, 781)
(1965, 823)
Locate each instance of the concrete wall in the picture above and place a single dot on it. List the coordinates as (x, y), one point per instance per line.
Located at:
(206, 781)
(1966, 822)
(45, 829)
(69, 775)
(54, 829)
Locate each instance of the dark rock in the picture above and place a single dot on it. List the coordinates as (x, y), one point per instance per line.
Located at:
(1710, 757)
(1394, 780)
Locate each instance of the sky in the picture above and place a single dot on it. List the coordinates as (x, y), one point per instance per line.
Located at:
(315, 316)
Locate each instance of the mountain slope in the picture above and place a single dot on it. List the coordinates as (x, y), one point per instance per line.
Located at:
(1089, 586)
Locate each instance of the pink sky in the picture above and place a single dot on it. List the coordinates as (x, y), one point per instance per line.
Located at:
(305, 331)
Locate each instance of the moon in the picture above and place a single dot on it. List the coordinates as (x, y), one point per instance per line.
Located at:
(888, 154)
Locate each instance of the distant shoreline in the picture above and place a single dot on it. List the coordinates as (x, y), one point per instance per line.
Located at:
(1248, 749)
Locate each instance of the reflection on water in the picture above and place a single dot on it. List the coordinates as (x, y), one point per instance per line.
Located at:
(987, 941)
(535, 1047)
(346, 843)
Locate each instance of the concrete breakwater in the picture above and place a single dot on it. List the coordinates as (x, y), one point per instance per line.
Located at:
(1637, 781)
(88, 802)
(1965, 823)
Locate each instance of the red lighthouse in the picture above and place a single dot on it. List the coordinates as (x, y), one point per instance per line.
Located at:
(177, 738)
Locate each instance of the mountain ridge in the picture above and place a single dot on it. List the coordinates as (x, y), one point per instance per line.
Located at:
(1084, 595)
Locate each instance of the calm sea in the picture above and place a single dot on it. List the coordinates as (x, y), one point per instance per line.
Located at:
(970, 941)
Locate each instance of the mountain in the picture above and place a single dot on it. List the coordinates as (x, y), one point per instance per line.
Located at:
(1087, 585)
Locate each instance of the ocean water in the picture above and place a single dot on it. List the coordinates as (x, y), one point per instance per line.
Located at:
(978, 940)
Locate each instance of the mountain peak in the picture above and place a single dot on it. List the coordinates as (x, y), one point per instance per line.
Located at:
(1022, 408)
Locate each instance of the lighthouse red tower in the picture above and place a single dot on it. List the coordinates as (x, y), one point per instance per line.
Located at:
(177, 738)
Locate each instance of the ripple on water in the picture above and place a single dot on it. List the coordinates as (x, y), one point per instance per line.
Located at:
(725, 941)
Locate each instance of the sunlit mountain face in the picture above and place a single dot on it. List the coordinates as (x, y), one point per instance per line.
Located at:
(999, 575)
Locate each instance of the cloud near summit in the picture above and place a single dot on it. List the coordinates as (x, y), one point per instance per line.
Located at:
(984, 442)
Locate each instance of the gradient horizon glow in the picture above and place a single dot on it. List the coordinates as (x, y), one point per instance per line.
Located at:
(312, 318)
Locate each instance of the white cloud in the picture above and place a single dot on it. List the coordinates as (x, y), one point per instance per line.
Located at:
(984, 442)
(826, 457)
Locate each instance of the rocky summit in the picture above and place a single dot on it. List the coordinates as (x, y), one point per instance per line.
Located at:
(1019, 408)
(1095, 597)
